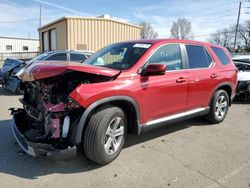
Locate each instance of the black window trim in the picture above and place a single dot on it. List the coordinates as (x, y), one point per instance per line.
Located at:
(183, 58)
(212, 64)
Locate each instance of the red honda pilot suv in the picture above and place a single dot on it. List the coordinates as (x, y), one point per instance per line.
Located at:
(128, 87)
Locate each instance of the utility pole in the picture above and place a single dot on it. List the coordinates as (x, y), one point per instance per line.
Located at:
(237, 26)
(40, 16)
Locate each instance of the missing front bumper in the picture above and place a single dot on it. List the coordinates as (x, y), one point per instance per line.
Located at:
(40, 149)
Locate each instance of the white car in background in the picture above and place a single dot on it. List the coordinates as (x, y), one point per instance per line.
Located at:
(242, 62)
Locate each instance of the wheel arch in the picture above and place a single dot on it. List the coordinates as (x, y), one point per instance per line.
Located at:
(128, 104)
(226, 86)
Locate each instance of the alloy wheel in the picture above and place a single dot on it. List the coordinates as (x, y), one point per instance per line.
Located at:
(114, 136)
(221, 107)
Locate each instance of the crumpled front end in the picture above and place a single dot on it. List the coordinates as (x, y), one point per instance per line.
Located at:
(36, 149)
(46, 125)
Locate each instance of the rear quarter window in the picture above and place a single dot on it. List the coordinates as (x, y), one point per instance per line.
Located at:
(198, 57)
(221, 55)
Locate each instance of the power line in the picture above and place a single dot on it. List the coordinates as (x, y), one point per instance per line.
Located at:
(221, 32)
(209, 8)
(212, 13)
(18, 21)
(191, 13)
(214, 19)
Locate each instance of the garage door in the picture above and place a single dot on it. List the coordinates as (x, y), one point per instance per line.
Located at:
(53, 39)
(45, 42)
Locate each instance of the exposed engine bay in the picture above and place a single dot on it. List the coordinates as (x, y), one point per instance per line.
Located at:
(49, 114)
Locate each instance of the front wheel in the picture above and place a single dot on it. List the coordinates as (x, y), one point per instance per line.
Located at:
(105, 134)
(219, 107)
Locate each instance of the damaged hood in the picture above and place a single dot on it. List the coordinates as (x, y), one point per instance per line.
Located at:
(10, 64)
(41, 70)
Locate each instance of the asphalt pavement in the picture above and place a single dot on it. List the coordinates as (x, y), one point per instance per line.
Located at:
(189, 154)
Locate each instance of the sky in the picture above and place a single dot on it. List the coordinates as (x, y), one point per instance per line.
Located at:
(20, 18)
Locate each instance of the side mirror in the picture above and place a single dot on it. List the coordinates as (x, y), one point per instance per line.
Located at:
(154, 69)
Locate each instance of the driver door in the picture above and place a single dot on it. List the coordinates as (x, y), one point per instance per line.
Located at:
(165, 95)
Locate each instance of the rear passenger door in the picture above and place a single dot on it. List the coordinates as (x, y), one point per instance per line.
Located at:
(201, 76)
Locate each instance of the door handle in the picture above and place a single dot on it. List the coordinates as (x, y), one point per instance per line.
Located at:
(214, 75)
(181, 80)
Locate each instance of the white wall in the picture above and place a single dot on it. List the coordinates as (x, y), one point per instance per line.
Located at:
(17, 45)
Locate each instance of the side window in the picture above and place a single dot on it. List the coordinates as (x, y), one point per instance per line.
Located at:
(58, 57)
(77, 57)
(170, 55)
(221, 55)
(198, 57)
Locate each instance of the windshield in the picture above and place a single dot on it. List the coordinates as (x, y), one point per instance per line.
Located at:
(39, 57)
(118, 56)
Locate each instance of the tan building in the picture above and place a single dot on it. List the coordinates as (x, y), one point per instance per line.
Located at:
(85, 33)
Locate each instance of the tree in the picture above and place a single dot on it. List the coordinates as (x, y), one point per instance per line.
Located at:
(222, 37)
(244, 33)
(181, 29)
(147, 31)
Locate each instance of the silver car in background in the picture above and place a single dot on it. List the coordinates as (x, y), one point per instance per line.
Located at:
(243, 89)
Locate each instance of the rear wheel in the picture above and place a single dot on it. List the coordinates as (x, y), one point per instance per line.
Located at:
(219, 107)
(105, 134)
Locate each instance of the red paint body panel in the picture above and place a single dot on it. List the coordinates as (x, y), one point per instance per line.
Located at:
(156, 96)
(160, 96)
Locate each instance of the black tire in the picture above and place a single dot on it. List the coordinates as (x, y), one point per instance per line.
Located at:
(95, 134)
(213, 116)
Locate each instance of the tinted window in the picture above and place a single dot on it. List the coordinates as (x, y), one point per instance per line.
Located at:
(208, 56)
(198, 57)
(58, 57)
(77, 57)
(221, 55)
(170, 55)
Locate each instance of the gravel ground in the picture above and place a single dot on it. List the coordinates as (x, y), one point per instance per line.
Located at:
(189, 154)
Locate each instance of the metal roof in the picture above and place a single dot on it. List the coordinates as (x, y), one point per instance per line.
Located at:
(86, 18)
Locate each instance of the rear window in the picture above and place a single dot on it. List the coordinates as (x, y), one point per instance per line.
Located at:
(221, 55)
(198, 57)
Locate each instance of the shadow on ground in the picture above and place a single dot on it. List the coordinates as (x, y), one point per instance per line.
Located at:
(14, 162)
